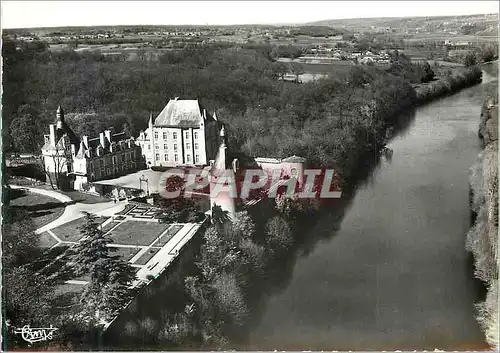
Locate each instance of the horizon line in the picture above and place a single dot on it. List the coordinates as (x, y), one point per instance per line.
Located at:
(246, 24)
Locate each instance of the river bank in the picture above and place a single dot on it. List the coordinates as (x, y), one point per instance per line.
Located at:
(392, 272)
(450, 84)
(482, 239)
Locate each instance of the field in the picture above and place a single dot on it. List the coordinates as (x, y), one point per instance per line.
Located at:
(442, 37)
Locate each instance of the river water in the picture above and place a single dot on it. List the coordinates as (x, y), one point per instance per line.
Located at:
(394, 274)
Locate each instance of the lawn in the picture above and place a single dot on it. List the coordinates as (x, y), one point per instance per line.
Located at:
(41, 208)
(137, 232)
(165, 238)
(146, 257)
(67, 288)
(46, 240)
(70, 231)
(126, 253)
(110, 225)
(74, 195)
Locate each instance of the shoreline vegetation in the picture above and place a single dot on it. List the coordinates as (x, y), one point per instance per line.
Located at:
(331, 122)
(482, 239)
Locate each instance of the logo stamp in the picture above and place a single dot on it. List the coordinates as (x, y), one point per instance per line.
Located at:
(36, 334)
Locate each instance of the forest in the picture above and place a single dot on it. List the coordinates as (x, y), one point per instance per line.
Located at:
(330, 121)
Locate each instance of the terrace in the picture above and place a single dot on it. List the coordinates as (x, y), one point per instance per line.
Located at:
(137, 237)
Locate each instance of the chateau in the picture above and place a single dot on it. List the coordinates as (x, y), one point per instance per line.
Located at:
(183, 134)
(73, 161)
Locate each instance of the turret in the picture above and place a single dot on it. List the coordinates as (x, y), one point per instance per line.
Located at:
(222, 134)
(60, 118)
(150, 122)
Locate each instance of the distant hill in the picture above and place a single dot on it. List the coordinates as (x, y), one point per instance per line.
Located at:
(486, 24)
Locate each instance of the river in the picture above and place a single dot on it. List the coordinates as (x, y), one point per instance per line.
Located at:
(394, 274)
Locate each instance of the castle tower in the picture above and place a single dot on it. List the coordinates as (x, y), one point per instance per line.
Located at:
(219, 174)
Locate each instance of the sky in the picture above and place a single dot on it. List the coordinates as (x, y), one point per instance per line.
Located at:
(27, 14)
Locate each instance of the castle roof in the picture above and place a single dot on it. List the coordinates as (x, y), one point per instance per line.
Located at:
(182, 113)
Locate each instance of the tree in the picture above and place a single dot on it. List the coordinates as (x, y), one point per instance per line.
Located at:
(243, 226)
(470, 59)
(426, 72)
(110, 276)
(219, 216)
(489, 52)
(25, 130)
(278, 234)
(230, 299)
(27, 296)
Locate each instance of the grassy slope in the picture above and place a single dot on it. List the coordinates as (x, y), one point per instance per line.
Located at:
(482, 239)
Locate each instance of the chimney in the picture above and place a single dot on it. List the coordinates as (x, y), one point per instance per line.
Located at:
(205, 114)
(102, 139)
(215, 116)
(85, 140)
(52, 130)
(107, 133)
(73, 150)
(176, 98)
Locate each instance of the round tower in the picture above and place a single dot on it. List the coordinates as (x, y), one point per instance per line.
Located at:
(221, 179)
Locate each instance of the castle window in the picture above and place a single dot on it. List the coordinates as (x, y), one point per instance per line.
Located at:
(91, 166)
(196, 135)
(174, 135)
(164, 135)
(149, 147)
(123, 157)
(196, 158)
(196, 146)
(175, 147)
(157, 156)
(188, 158)
(157, 147)
(176, 157)
(186, 134)
(165, 146)
(114, 159)
(165, 157)
(188, 145)
(156, 135)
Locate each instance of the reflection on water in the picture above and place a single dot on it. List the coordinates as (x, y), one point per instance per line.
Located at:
(389, 270)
